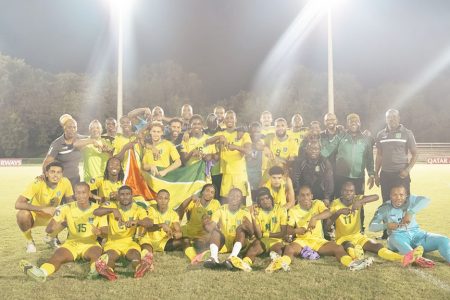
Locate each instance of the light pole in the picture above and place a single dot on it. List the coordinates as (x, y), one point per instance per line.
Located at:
(330, 64)
(120, 63)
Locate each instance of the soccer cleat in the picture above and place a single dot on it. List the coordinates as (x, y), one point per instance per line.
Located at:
(211, 263)
(360, 264)
(273, 255)
(202, 256)
(101, 265)
(412, 256)
(32, 271)
(240, 264)
(424, 262)
(145, 265)
(359, 252)
(308, 253)
(53, 243)
(31, 248)
(227, 263)
(276, 265)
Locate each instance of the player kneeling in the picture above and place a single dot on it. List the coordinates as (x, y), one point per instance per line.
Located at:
(165, 233)
(199, 212)
(269, 224)
(346, 215)
(123, 219)
(229, 229)
(82, 243)
(304, 221)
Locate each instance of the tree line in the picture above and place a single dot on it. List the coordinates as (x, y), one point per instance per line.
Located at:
(31, 101)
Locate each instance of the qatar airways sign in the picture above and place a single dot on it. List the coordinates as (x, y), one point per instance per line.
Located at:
(438, 160)
(10, 162)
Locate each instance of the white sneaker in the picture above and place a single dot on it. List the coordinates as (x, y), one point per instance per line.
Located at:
(274, 255)
(31, 248)
(51, 242)
(360, 264)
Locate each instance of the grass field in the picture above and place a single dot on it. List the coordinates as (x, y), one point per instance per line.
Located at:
(173, 279)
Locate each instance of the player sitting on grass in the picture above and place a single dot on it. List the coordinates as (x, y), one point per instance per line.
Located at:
(398, 216)
(269, 224)
(165, 233)
(81, 243)
(304, 220)
(229, 229)
(346, 215)
(123, 219)
(199, 212)
(39, 201)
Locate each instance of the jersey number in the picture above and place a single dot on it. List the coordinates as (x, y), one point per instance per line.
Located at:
(348, 219)
(81, 227)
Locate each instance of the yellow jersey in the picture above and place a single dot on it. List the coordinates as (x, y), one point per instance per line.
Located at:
(298, 137)
(228, 221)
(233, 161)
(279, 195)
(105, 187)
(196, 213)
(118, 230)
(197, 143)
(283, 149)
(167, 154)
(298, 217)
(347, 224)
(80, 222)
(169, 217)
(40, 194)
(268, 130)
(271, 221)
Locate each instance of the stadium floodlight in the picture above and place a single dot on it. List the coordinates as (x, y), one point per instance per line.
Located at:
(120, 9)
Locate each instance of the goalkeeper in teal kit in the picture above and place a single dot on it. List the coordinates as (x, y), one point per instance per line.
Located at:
(398, 217)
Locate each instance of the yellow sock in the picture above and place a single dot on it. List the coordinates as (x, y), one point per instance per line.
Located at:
(27, 235)
(248, 260)
(49, 269)
(351, 252)
(346, 260)
(389, 255)
(190, 252)
(144, 253)
(286, 259)
(92, 267)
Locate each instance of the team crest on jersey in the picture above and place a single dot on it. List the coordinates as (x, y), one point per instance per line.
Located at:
(274, 220)
(91, 220)
(284, 149)
(130, 218)
(317, 169)
(398, 135)
(58, 194)
(238, 222)
(167, 222)
(92, 180)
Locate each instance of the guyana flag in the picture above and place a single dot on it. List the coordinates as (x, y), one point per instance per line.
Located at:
(135, 180)
(181, 183)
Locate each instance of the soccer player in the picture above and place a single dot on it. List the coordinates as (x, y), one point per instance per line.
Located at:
(280, 187)
(269, 225)
(199, 211)
(108, 185)
(230, 228)
(297, 132)
(95, 150)
(233, 149)
(266, 123)
(195, 149)
(123, 220)
(158, 114)
(123, 141)
(219, 112)
(254, 159)
(111, 129)
(280, 149)
(304, 222)
(346, 215)
(174, 133)
(81, 243)
(39, 201)
(168, 159)
(186, 114)
(165, 233)
(398, 217)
